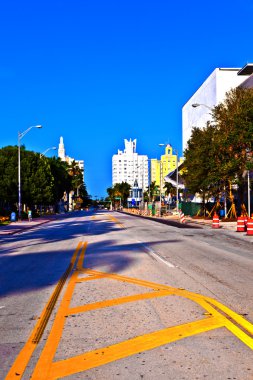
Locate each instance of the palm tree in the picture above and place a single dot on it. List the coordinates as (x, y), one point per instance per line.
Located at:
(169, 188)
(153, 190)
(119, 190)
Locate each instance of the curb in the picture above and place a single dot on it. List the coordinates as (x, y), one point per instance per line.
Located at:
(25, 228)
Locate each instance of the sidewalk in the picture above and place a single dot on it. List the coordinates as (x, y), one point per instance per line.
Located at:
(229, 227)
(16, 227)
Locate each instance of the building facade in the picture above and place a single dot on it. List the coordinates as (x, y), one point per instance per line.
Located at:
(62, 155)
(128, 166)
(68, 201)
(159, 169)
(196, 112)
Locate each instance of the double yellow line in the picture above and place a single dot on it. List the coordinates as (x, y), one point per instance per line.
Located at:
(215, 314)
(21, 362)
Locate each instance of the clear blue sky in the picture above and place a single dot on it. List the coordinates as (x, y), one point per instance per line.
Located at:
(99, 71)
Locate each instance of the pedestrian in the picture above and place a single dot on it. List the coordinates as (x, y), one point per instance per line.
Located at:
(30, 215)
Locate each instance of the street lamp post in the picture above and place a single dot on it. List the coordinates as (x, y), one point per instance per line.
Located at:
(161, 179)
(20, 136)
(177, 180)
(248, 194)
(43, 154)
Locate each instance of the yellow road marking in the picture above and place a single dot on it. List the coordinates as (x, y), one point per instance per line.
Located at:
(130, 347)
(48, 369)
(25, 354)
(215, 316)
(79, 265)
(115, 220)
(116, 301)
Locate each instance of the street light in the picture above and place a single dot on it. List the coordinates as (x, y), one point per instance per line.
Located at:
(43, 154)
(249, 159)
(195, 105)
(248, 194)
(176, 171)
(20, 136)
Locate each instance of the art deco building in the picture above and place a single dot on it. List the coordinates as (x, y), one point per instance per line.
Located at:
(128, 166)
(69, 160)
(167, 164)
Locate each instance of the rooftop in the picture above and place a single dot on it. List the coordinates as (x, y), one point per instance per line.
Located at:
(246, 70)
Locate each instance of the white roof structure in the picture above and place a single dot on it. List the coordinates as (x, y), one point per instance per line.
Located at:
(211, 93)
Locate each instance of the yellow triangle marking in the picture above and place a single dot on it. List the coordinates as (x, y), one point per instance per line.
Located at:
(130, 347)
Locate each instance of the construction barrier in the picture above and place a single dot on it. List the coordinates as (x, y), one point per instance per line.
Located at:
(241, 226)
(216, 221)
(182, 217)
(245, 222)
(250, 226)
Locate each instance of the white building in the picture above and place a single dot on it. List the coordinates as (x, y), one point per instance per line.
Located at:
(128, 166)
(69, 198)
(69, 160)
(211, 93)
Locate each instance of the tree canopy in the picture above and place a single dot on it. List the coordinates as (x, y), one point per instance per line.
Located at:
(219, 154)
(119, 190)
(43, 180)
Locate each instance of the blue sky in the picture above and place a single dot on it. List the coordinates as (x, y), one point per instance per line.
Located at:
(96, 72)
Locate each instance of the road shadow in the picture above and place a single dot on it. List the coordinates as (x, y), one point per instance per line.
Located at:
(169, 222)
(33, 271)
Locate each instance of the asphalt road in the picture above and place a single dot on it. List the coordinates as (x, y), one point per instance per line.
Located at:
(111, 296)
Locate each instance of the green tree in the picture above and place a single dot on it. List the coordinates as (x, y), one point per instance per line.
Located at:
(61, 177)
(121, 190)
(200, 162)
(76, 175)
(169, 188)
(36, 179)
(154, 190)
(234, 134)
(8, 176)
(218, 155)
(43, 180)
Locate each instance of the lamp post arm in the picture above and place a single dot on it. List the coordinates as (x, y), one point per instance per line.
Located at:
(22, 134)
(195, 105)
(43, 154)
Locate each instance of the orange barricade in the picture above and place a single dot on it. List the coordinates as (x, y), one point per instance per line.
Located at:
(241, 226)
(250, 226)
(216, 221)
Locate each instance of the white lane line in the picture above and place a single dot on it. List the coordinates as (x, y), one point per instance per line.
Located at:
(155, 255)
(1, 307)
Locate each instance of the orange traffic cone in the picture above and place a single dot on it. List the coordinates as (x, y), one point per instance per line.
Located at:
(182, 217)
(216, 221)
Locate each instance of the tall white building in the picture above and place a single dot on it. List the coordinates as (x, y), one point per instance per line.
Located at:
(69, 160)
(209, 94)
(128, 166)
